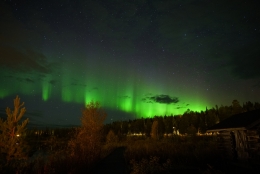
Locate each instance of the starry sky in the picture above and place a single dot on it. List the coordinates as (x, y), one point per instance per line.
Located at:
(136, 58)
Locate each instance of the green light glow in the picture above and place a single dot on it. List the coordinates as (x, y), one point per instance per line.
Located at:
(126, 96)
(3, 93)
(46, 92)
(46, 88)
(125, 93)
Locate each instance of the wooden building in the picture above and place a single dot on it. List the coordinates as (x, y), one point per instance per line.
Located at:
(238, 135)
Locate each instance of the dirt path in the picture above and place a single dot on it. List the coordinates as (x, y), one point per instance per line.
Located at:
(113, 163)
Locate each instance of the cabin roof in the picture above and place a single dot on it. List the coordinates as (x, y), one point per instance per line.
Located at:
(240, 121)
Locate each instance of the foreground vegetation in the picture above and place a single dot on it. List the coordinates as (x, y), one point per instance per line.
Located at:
(79, 150)
(197, 154)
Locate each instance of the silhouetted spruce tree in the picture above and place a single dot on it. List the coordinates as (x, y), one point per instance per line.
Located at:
(138, 126)
(257, 105)
(224, 112)
(184, 122)
(12, 144)
(148, 127)
(124, 127)
(248, 106)
(194, 119)
(211, 118)
(236, 107)
(168, 124)
(161, 127)
(176, 123)
(202, 123)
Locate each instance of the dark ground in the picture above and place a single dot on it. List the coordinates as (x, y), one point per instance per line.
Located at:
(114, 163)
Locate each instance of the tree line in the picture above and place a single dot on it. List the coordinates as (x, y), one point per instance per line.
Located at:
(191, 122)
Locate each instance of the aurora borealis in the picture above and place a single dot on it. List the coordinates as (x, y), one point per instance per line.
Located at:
(137, 58)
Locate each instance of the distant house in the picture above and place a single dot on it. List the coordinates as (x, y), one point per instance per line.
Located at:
(238, 135)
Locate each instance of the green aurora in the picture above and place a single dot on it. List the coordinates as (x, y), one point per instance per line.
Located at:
(127, 94)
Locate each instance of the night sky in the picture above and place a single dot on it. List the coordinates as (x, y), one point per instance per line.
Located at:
(137, 58)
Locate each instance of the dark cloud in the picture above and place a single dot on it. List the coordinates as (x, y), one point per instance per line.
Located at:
(23, 61)
(29, 80)
(53, 82)
(163, 99)
(148, 94)
(77, 84)
(179, 107)
(125, 97)
(42, 76)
